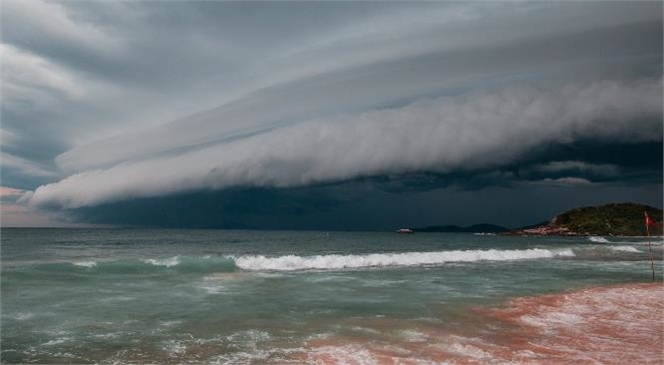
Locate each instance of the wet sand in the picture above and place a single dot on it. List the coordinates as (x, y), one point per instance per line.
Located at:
(606, 325)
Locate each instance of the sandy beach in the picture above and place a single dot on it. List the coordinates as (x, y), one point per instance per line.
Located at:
(603, 325)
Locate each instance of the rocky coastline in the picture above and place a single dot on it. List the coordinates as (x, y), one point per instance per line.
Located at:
(621, 219)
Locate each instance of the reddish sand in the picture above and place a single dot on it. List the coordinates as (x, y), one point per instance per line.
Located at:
(609, 325)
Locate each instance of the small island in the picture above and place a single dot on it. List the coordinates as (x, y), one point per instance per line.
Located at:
(622, 219)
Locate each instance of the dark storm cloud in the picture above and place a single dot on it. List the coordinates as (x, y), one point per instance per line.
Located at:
(443, 135)
(631, 163)
(107, 105)
(363, 205)
(533, 190)
(239, 208)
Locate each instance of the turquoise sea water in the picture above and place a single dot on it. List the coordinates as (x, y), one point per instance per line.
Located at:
(256, 297)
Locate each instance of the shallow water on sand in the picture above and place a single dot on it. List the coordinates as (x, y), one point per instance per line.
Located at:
(207, 296)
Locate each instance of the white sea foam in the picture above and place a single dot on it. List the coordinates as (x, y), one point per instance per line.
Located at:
(347, 354)
(319, 336)
(106, 336)
(470, 351)
(249, 336)
(22, 316)
(85, 263)
(547, 319)
(643, 243)
(624, 248)
(364, 330)
(598, 239)
(213, 288)
(655, 241)
(57, 341)
(168, 262)
(331, 262)
(174, 348)
(413, 336)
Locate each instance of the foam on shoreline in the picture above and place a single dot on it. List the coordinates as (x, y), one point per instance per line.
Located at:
(609, 325)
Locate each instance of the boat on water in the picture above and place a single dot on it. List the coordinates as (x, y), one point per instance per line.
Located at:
(405, 230)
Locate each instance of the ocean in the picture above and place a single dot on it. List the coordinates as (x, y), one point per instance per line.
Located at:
(144, 296)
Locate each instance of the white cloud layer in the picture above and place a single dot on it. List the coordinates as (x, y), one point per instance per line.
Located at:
(30, 80)
(26, 167)
(85, 78)
(444, 134)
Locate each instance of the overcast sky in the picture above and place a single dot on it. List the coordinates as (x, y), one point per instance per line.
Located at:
(326, 115)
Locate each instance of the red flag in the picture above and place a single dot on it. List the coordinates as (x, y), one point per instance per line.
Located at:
(649, 222)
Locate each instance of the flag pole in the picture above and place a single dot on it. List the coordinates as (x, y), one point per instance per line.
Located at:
(652, 265)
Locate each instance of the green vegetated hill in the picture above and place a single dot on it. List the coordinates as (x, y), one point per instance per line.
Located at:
(623, 219)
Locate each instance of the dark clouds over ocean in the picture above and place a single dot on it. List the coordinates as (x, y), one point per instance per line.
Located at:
(327, 115)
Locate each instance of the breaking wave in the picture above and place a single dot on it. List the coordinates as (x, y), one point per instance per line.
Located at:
(168, 262)
(598, 239)
(89, 263)
(624, 248)
(332, 262)
(184, 264)
(213, 264)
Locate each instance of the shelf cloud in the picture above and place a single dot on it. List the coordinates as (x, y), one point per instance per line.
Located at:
(127, 105)
(438, 135)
